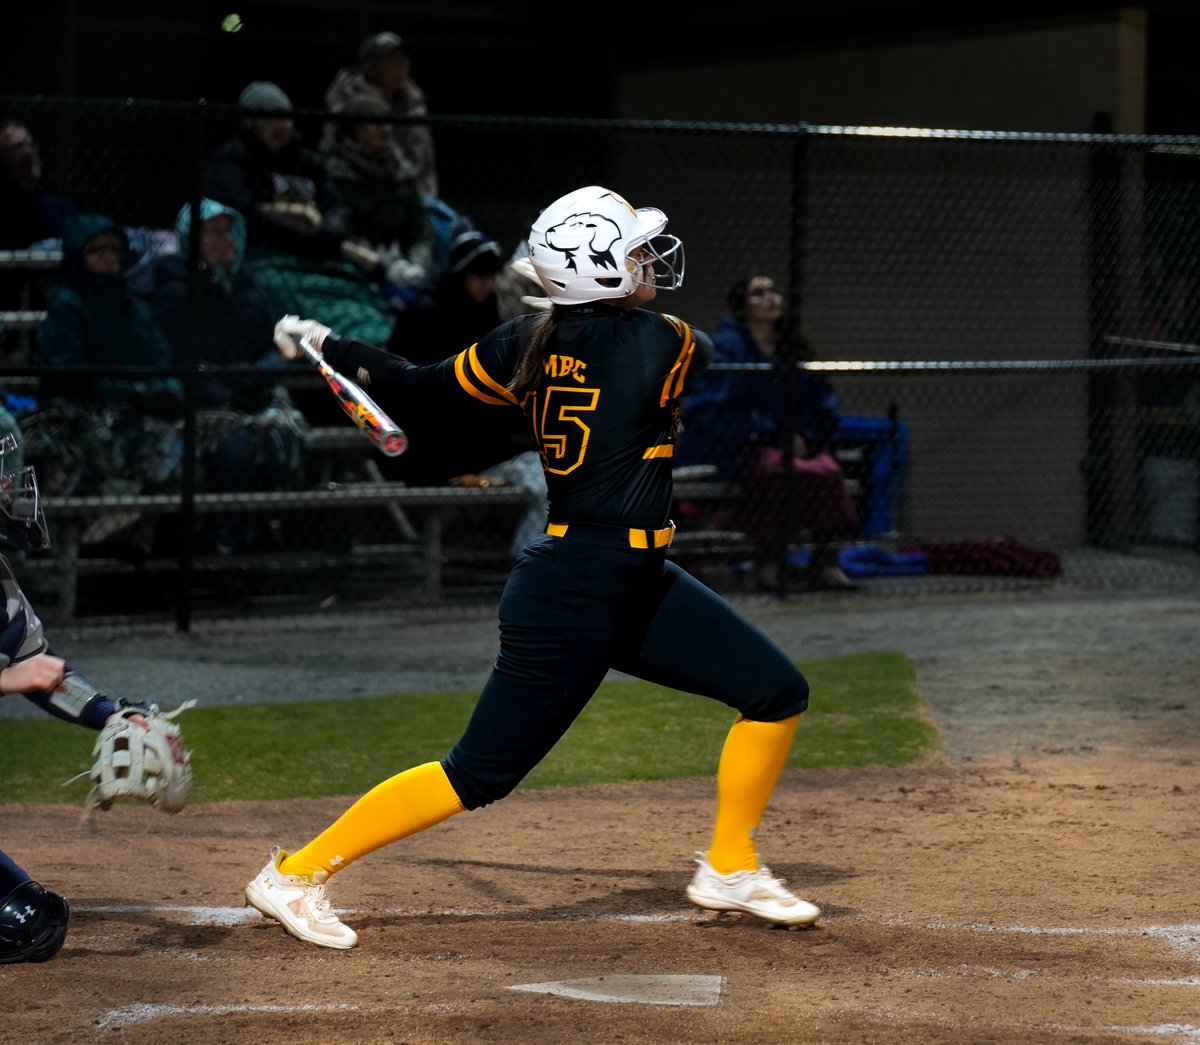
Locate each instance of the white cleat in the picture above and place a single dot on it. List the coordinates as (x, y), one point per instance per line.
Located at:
(299, 905)
(752, 892)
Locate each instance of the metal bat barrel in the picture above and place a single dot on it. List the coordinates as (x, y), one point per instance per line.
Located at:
(372, 421)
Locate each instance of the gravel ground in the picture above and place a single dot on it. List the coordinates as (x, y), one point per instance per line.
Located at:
(1004, 673)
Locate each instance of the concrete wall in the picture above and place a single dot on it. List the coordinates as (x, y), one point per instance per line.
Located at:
(918, 249)
(1030, 78)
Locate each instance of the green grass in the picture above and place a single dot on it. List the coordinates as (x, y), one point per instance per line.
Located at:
(865, 711)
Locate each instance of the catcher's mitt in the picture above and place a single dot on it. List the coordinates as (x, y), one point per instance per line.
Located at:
(143, 760)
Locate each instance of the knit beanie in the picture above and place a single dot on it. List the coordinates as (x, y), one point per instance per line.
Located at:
(377, 45)
(264, 96)
(472, 253)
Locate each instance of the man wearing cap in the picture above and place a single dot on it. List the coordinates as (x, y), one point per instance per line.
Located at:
(281, 187)
(383, 71)
(298, 224)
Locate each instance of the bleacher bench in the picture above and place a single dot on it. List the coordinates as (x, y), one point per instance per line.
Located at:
(70, 516)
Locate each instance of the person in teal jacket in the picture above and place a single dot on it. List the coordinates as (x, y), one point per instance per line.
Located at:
(103, 432)
(250, 435)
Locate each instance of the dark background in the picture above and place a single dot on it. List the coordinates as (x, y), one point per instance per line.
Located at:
(522, 57)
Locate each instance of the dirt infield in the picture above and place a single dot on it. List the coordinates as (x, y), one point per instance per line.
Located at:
(1053, 901)
(1037, 887)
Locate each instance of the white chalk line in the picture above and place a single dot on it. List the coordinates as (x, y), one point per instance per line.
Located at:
(1184, 939)
(1185, 1033)
(676, 990)
(146, 1013)
(238, 915)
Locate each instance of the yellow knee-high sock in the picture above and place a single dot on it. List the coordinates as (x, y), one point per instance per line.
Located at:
(401, 806)
(751, 761)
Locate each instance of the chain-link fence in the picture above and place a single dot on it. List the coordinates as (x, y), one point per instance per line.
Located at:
(1008, 322)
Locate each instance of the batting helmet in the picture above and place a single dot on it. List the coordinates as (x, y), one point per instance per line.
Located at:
(22, 522)
(33, 924)
(581, 244)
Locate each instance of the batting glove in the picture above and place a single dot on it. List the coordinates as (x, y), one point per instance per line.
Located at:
(290, 329)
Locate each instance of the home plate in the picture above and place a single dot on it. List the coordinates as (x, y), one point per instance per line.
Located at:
(648, 990)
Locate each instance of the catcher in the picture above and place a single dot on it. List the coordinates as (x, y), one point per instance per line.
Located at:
(138, 754)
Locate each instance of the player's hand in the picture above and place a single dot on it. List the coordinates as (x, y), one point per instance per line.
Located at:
(290, 329)
(41, 673)
(523, 267)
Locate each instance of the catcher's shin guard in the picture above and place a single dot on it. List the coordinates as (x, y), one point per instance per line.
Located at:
(33, 924)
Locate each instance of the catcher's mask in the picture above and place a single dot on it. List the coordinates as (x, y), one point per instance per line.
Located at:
(22, 524)
(33, 924)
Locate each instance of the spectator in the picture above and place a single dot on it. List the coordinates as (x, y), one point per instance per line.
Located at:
(384, 72)
(30, 216)
(298, 225)
(792, 485)
(387, 211)
(459, 310)
(29, 213)
(104, 434)
(250, 434)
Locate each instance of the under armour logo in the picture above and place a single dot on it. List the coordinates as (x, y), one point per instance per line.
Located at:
(21, 915)
(337, 861)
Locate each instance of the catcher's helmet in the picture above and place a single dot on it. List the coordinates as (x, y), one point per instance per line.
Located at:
(581, 244)
(22, 524)
(33, 924)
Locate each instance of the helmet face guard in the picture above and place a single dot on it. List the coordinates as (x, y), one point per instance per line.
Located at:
(592, 245)
(663, 262)
(22, 523)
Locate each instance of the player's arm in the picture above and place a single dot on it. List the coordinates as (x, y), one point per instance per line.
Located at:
(689, 353)
(379, 370)
(29, 668)
(58, 689)
(480, 371)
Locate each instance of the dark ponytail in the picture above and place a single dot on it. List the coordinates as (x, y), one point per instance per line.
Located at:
(531, 366)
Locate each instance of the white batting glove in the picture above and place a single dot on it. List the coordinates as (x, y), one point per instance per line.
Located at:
(524, 267)
(290, 329)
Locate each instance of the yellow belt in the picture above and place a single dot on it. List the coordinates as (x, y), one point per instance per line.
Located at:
(645, 539)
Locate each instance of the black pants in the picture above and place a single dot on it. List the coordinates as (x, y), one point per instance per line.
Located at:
(578, 605)
(10, 875)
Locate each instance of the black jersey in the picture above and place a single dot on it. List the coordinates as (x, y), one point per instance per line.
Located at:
(604, 416)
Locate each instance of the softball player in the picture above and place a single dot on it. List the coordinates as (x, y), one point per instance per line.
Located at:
(599, 380)
(33, 920)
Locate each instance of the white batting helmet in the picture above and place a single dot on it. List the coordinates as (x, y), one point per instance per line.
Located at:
(581, 243)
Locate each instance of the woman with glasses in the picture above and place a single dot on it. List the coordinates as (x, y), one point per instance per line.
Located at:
(770, 428)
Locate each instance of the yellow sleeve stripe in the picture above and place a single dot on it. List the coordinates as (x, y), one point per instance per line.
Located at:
(662, 450)
(470, 381)
(673, 385)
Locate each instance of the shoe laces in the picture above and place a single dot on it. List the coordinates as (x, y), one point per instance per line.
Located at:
(768, 883)
(319, 902)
